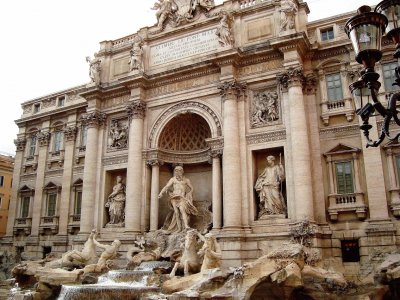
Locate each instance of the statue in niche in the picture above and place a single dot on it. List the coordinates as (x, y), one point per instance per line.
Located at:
(110, 252)
(265, 108)
(288, 14)
(136, 60)
(118, 135)
(180, 198)
(269, 188)
(211, 253)
(94, 68)
(224, 30)
(116, 205)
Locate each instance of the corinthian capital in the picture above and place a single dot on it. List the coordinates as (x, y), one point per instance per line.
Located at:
(231, 88)
(70, 133)
(20, 143)
(292, 77)
(136, 109)
(310, 84)
(93, 119)
(43, 138)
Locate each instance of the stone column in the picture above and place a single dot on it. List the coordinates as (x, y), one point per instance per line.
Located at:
(134, 182)
(155, 190)
(43, 139)
(293, 80)
(310, 89)
(20, 144)
(64, 205)
(232, 183)
(93, 120)
(377, 200)
(216, 189)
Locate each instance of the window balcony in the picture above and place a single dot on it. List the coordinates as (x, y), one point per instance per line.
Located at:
(343, 203)
(74, 224)
(22, 225)
(337, 108)
(48, 224)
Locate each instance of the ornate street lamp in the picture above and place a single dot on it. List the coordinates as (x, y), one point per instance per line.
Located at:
(365, 31)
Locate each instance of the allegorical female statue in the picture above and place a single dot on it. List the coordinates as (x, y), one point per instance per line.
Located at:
(268, 186)
(116, 205)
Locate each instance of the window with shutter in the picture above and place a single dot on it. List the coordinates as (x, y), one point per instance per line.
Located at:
(344, 178)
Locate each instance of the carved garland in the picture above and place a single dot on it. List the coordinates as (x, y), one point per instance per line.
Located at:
(188, 105)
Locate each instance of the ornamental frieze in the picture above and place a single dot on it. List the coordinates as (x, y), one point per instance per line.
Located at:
(20, 144)
(115, 160)
(259, 138)
(43, 138)
(342, 131)
(93, 119)
(261, 68)
(291, 77)
(115, 102)
(232, 88)
(27, 109)
(136, 109)
(70, 133)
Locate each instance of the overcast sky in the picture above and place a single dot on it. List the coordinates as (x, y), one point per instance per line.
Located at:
(45, 42)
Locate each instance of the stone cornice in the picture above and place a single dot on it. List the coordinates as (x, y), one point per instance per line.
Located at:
(298, 41)
(259, 138)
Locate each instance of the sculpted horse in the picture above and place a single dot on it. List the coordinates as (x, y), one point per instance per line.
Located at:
(189, 261)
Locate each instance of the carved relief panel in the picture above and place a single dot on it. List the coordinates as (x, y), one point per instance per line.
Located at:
(118, 134)
(265, 108)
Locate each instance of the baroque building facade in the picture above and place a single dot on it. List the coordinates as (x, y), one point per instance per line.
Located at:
(250, 99)
(6, 174)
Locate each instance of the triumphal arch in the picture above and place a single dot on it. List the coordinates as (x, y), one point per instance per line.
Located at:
(231, 118)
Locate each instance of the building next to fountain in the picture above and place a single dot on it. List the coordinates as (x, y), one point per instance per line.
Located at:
(217, 90)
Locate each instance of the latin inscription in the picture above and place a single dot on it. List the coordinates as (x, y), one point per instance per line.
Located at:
(184, 47)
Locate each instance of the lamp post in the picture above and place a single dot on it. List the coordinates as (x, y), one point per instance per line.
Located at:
(365, 31)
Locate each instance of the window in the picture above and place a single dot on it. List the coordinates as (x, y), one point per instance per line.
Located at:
(84, 136)
(57, 141)
(334, 87)
(344, 178)
(36, 108)
(78, 203)
(350, 251)
(61, 101)
(327, 34)
(32, 146)
(1, 180)
(1, 201)
(25, 207)
(51, 205)
(389, 75)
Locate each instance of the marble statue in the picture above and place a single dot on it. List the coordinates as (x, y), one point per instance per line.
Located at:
(110, 252)
(136, 59)
(224, 30)
(77, 258)
(268, 186)
(265, 109)
(94, 68)
(116, 205)
(211, 253)
(288, 14)
(118, 135)
(164, 9)
(177, 12)
(189, 261)
(180, 198)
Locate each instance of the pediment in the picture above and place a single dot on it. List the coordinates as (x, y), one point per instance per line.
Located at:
(51, 186)
(342, 149)
(26, 189)
(392, 144)
(78, 182)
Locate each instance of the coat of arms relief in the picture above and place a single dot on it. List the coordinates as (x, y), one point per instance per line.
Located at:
(177, 12)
